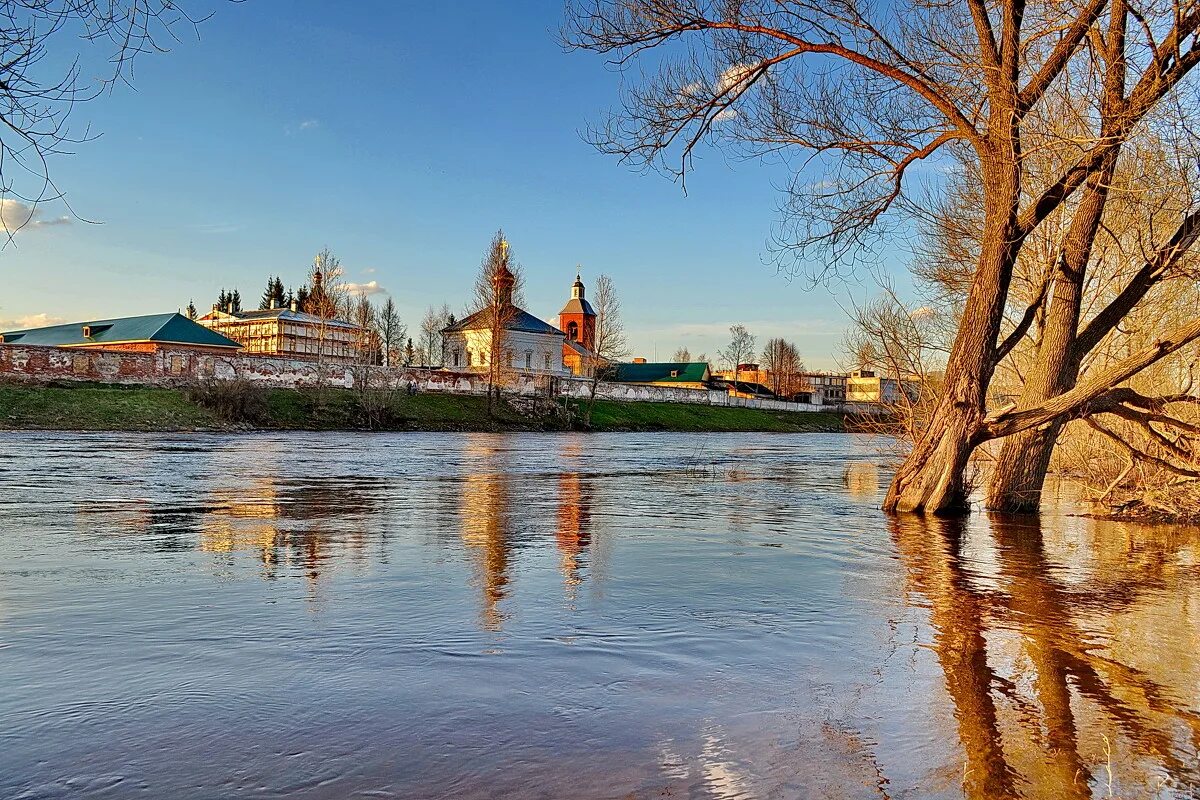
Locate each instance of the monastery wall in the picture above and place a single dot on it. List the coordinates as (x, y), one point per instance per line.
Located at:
(178, 367)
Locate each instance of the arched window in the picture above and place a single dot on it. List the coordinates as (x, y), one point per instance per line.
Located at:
(573, 331)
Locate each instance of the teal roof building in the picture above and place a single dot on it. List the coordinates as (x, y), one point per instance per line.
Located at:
(129, 333)
(669, 373)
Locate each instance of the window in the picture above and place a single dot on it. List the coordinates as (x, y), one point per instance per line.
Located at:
(456, 355)
(547, 361)
(528, 359)
(573, 331)
(511, 356)
(468, 358)
(674, 373)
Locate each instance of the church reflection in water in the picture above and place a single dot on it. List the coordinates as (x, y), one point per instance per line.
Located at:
(1051, 668)
(493, 533)
(1062, 652)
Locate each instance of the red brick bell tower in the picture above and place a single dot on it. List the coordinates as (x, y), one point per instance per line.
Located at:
(578, 321)
(577, 318)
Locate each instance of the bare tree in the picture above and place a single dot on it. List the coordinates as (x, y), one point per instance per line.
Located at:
(431, 334)
(498, 283)
(781, 360)
(892, 86)
(392, 331)
(682, 356)
(55, 54)
(608, 340)
(739, 350)
(366, 341)
(328, 301)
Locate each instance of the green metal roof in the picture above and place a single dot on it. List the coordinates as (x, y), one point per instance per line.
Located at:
(171, 328)
(685, 372)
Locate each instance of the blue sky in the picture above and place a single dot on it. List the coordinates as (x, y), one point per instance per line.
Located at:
(402, 139)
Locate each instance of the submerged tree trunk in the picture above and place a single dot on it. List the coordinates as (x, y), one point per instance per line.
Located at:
(1020, 471)
(933, 477)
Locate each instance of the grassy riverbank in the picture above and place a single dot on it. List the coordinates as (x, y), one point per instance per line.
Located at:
(113, 408)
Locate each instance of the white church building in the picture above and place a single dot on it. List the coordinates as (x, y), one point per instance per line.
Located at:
(530, 344)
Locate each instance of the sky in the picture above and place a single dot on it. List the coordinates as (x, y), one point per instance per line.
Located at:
(401, 136)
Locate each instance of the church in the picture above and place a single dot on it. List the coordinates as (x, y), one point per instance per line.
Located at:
(531, 345)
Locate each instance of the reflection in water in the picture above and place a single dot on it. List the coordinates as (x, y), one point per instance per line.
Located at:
(1044, 707)
(861, 479)
(280, 521)
(574, 527)
(485, 532)
(762, 631)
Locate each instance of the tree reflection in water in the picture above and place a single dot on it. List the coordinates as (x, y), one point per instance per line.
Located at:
(1043, 708)
(294, 525)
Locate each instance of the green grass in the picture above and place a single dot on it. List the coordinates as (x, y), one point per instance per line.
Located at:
(101, 408)
(110, 408)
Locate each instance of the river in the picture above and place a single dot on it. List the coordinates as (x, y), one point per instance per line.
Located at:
(569, 616)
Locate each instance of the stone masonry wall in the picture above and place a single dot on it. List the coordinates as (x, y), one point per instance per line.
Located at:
(176, 367)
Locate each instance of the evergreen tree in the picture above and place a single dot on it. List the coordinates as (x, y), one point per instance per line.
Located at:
(273, 296)
(302, 299)
(223, 301)
(268, 295)
(408, 352)
(235, 302)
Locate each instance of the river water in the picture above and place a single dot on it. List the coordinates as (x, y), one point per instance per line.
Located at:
(569, 616)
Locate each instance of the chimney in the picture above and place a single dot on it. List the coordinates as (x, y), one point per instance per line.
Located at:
(639, 361)
(294, 305)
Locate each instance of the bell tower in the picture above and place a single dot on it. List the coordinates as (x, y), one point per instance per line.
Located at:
(577, 318)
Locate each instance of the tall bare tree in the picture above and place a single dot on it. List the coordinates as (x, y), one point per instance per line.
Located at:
(682, 356)
(739, 350)
(870, 90)
(496, 287)
(781, 360)
(328, 301)
(609, 343)
(392, 331)
(432, 323)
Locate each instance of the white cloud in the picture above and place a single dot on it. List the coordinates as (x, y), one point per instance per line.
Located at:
(303, 125)
(369, 271)
(16, 216)
(365, 289)
(923, 312)
(734, 75)
(30, 321)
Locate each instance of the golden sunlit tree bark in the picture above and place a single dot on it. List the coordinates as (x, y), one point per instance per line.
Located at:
(866, 91)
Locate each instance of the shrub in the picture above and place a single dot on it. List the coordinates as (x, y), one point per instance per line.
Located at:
(236, 401)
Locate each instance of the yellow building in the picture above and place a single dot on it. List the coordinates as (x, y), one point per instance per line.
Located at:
(288, 333)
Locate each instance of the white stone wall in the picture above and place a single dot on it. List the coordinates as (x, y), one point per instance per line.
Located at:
(640, 392)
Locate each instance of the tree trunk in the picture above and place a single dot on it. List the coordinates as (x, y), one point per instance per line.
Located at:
(932, 478)
(1020, 471)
